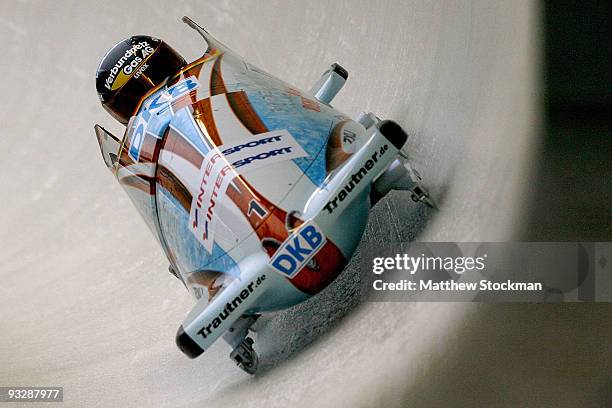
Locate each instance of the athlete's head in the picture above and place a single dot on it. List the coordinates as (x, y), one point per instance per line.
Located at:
(130, 69)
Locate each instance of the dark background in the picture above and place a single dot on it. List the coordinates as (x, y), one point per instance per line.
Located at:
(573, 189)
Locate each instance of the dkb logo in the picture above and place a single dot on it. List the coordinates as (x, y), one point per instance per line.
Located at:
(298, 249)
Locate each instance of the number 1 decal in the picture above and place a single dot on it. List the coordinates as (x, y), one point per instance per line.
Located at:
(254, 206)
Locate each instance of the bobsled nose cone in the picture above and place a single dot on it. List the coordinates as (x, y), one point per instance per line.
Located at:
(393, 133)
(186, 344)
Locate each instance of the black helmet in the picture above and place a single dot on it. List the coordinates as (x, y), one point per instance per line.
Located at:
(130, 69)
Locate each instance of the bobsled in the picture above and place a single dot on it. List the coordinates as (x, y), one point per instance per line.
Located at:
(257, 192)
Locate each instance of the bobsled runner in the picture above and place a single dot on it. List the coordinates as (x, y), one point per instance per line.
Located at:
(257, 192)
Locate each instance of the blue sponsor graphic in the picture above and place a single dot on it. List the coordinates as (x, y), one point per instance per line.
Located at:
(138, 138)
(251, 144)
(298, 249)
(183, 123)
(161, 100)
(155, 114)
(181, 88)
(262, 156)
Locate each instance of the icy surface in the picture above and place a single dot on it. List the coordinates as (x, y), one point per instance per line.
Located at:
(85, 299)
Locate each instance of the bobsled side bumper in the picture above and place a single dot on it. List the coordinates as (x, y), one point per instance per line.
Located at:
(186, 344)
(393, 133)
(340, 207)
(207, 321)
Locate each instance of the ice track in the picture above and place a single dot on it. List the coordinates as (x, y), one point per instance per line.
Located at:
(85, 299)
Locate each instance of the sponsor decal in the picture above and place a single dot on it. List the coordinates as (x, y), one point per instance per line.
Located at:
(256, 208)
(251, 144)
(216, 177)
(348, 140)
(156, 105)
(199, 291)
(205, 283)
(230, 307)
(221, 165)
(264, 149)
(142, 69)
(262, 156)
(355, 179)
(129, 63)
(298, 249)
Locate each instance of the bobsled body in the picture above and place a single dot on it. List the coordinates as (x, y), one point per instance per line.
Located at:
(257, 192)
(225, 161)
